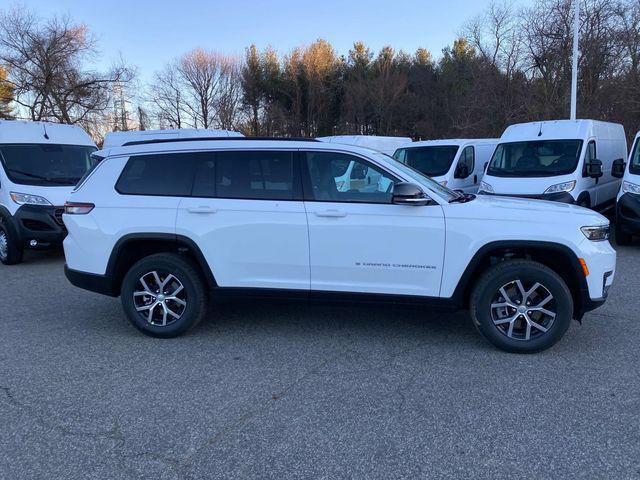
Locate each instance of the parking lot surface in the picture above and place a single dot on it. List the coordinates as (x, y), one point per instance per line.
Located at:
(301, 391)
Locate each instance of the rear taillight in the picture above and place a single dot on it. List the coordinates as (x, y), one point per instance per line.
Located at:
(71, 208)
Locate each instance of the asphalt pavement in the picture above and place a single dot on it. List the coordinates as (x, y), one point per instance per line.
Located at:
(301, 391)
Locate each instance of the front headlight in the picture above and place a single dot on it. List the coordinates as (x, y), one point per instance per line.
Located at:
(443, 183)
(28, 199)
(561, 187)
(597, 233)
(485, 187)
(628, 187)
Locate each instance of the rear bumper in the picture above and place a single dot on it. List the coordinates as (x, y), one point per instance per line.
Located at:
(39, 223)
(90, 281)
(562, 197)
(628, 213)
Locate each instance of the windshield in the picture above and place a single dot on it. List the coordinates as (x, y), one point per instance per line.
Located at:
(420, 178)
(432, 161)
(46, 165)
(540, 158)
(634, 166)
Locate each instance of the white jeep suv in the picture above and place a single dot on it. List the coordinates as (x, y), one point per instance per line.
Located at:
(164, 223)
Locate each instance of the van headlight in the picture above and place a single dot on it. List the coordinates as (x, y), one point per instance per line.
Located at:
(28, 199)
(597, 233)
(443, 183)
(628, 187)
(485, 187)
(561, 187)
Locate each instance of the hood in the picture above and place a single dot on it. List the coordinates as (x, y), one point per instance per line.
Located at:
(524, 185)
(57, 196)
(526, 210)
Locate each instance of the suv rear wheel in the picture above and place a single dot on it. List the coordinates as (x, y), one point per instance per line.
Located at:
(163, 295)
(10, 252)
(521, 306)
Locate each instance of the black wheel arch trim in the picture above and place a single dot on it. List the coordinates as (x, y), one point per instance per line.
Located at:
(178, 240)
(7, 219)
(585, 304)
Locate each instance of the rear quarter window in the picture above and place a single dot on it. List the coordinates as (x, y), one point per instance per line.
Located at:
(163, 174)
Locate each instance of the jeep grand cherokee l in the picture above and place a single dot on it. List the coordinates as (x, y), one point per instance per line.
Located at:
(164, 225)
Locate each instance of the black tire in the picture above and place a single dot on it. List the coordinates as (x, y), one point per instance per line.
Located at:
(13, 252)
(193, 294)
(622, 238)
(528, 273)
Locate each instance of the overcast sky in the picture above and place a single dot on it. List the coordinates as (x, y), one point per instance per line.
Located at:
(148, 33)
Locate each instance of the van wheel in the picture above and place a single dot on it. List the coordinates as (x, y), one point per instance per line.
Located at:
(622, 238)
(10, 252)
(521, 306)
(163, 295)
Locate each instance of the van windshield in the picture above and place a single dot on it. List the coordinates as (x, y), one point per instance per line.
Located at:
(634, 166)
(432, 161)
(418, 177)
(46, 165)
(540, 158)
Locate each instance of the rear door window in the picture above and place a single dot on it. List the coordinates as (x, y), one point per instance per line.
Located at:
(165, 174)
(267, 175)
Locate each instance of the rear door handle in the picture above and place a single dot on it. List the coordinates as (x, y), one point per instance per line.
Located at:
(204, 210)
(331, 213)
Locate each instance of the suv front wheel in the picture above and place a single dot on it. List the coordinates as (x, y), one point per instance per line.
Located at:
(521, 306)
(163, 295)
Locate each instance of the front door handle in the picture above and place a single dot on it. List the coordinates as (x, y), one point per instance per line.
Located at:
(203, 210)
(332, 213)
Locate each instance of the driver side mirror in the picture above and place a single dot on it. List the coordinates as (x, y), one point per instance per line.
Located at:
(405, 193)
(594, 168)
(462, 171)
(617, 170)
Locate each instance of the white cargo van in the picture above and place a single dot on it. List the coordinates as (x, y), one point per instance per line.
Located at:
(628, 204)
(117, 139)
(40, 163)
(455, 163)
(568, 161)
(382, 144)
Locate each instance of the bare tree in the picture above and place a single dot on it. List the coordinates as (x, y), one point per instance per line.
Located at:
(46, 61)
(229, 98)
(167, 97)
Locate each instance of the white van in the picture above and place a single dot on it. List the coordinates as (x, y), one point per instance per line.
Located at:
(382, 144)
(455, 163)
(40, 163)
(117, 139)
(567, 161)
(628, 203)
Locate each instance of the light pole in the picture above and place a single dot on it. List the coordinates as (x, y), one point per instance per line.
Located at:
(574, 69)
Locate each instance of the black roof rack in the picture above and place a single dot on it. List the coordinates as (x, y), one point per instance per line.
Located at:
(199, 139)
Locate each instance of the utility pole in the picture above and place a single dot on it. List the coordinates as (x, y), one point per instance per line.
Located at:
(574, 69)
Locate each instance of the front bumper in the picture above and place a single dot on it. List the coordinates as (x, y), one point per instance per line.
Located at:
(600, 258)
(628, 213)
(39, 223)
(562, 197)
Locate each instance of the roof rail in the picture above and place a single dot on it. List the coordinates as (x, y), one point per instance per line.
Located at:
(200, 139)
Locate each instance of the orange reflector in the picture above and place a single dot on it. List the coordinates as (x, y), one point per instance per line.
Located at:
(585, 269)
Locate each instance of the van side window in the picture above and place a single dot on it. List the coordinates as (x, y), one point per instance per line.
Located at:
(167, 175)
(359, 182)
(264, 175)
(467, 158)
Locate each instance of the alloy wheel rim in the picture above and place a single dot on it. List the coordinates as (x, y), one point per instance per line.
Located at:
(160, 298)
(523, 310)
(4, 246)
